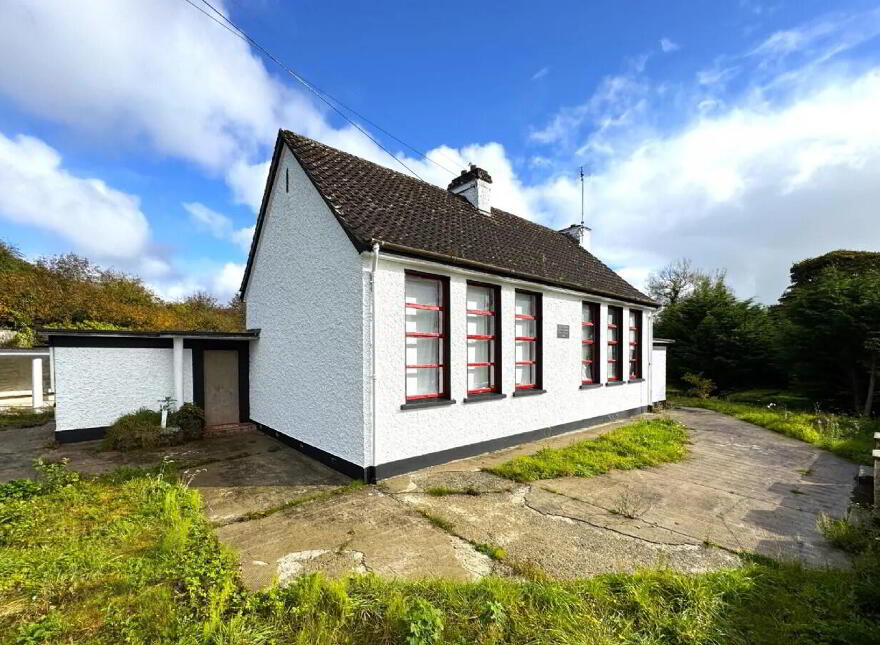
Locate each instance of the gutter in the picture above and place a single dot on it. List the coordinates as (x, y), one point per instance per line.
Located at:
(490, 268)
(376, 249)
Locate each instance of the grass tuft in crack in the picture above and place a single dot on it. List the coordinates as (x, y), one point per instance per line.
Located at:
(638, 445)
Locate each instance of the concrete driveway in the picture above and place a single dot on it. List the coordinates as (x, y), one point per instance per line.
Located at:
(743, 489)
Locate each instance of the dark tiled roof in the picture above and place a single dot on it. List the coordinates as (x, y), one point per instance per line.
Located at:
(406, 215)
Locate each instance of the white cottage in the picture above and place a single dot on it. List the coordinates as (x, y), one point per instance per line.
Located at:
(403, 325)
(394, 324)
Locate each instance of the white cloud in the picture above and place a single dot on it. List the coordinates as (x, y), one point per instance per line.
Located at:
(541, 73)
(668, 45)
(36, 190)
(752, 189)
(218, 225)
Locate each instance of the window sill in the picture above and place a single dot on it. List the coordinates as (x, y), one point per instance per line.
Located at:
(428, 403)
(610, 383)
(529, 392)
(487, 396)
(636, 380)
(590, 386)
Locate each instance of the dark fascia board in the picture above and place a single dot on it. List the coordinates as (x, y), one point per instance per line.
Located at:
(359, 244)
(159, 333)
(406, 251)
(270, 180)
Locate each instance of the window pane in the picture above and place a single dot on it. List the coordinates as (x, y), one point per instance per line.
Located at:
(633, 352)
(614, 352)
(479, 351)
(526, 328)
(421, 351)
(586, 372)
(524, 350)
(423, 320)
(479, 377)
(480, 298)
(422, 291)
(588, 333)
(525, 304)
(480, 325)
(422, 381)
(587, 352)
(588, 312)
(525, 374)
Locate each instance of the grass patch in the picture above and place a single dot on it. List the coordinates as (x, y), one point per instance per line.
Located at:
(24, 418)
(443, 491)
(130, 558)
(637, 445)
(854, 533)
(439, 522)
(353, 485)
(846, 436)
(495, 552)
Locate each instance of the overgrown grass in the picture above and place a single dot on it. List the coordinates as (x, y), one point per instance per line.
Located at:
(849, 437)
(637, 445)
(24, 418)
(129, 558)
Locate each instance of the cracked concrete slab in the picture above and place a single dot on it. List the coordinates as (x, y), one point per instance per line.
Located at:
(395, 541)
(534, 531)
(236, 487)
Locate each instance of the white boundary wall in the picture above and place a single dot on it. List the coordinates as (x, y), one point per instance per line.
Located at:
(658, 382)
(305, 295)
(96, 385)
(409, 433)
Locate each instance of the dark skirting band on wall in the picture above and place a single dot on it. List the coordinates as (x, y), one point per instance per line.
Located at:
(372, 474)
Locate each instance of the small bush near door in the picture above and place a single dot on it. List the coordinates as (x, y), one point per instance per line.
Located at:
(143, 429)
(190, 419)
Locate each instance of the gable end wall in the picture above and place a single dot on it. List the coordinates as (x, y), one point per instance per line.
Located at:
(305, 294)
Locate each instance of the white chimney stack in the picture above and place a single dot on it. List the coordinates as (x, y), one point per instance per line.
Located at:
(475, 185)
(580, 234)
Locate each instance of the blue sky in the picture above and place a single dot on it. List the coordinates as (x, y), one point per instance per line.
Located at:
(742, 134)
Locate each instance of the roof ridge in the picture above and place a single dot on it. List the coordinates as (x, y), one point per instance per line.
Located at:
(379, 166)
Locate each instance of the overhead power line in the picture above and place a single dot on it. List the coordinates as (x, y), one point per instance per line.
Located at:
(324, 97)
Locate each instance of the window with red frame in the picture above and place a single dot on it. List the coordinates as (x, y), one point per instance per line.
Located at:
(635, 343)
(590, 343)
(527, 338)
(483, 355)
(426, 337)
(615, 336)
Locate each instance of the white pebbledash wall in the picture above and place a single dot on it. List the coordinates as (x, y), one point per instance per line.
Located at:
(96, 385)
(306, 294)
(408, 433)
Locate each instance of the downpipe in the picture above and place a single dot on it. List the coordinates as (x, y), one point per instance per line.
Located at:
(373, 381)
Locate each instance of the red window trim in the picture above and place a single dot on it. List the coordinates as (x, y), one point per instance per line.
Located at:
(537, 349)
(615, 321)
(432, 395)
(442, 310)
(494, 313)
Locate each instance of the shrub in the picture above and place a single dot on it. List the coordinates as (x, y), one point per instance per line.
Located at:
(190, 418)
(140, 429)
(700, 386)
